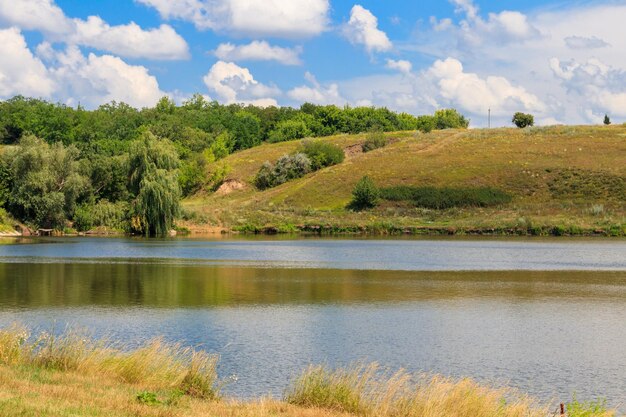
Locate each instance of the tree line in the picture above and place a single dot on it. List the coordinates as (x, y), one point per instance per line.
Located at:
(127, 168)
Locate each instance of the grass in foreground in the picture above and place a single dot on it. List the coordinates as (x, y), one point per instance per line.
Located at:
(73, 376)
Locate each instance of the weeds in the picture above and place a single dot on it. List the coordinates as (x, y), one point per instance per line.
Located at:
(444, 198)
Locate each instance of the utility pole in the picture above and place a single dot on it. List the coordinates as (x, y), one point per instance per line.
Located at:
(489, 118)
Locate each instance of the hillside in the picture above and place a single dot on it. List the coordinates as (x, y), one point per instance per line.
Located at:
(566, 179)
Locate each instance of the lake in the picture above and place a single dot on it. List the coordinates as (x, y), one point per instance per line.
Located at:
(546, 316)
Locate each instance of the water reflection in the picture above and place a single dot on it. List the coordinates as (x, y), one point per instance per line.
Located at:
(162, 285)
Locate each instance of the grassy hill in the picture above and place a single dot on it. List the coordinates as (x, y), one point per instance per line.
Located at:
(563, 180)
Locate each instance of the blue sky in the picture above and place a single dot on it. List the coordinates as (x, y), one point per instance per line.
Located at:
(562, 61)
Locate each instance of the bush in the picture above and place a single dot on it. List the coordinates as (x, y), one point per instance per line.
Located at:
(450, 119)
(289, 130)
(287, 168)
(607, 120)
(443, 198)
(375, 139)
(322, 154)
(523, 120)
(102, 214)
(365, 194)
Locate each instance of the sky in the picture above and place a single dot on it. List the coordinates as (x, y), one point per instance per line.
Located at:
(562, 61)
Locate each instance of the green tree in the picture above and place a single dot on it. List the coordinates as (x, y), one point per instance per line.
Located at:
(523, 120)
(365, 195)
(154, 183)
(607, 120)
(450, 119)
(47, 182)
(246, 129)
(289, 130)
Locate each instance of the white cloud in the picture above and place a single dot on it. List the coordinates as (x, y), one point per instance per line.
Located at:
(474, 94)
(258, 51)
(129, 40)
(20, 71)
(403, 66)
(603, 87)
(362, 29)
(235, 84)
(71, 77)
(42, 15)
(94, 80)
(316, 93)
(268, 18)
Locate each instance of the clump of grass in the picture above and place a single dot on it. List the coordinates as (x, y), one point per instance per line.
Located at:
(444, 198)
(596, 408)
(156, 364)
(372, 391)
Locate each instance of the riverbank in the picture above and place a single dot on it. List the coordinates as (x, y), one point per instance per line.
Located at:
(71, 375)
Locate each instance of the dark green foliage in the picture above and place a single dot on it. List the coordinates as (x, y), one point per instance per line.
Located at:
(246, 129)
(154, 182)
(47, 182)
(450, 119)
(322, 154)
(523, 120)
(443, 198)
(365, 195)
(102, 214)
(607, 120)
(287, 168)
(585, 185)
(375, 139)
(289, 130)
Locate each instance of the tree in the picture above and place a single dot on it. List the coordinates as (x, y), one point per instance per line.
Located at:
(450, 119)
(154, 183)
(365, 195)
(607, 121)
(523, 120)
(47, 182)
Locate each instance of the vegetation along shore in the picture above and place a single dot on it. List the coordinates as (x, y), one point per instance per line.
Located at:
(206, 168)
(70, 374)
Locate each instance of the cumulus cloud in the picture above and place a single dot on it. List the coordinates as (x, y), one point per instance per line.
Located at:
(20, 71)
(71, 77)
(128, 40)
(259, 51)
(474, 94)
(235, 84)
(316, 93)
(403, 66)
(273, 18)
(499, 28)
(602, 86)
(362, 29)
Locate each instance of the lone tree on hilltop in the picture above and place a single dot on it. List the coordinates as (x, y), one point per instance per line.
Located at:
(607, 121)
(523, 120)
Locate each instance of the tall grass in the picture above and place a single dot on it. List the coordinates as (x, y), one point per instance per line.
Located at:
(443, 198)
(372, 391)
(155, 364)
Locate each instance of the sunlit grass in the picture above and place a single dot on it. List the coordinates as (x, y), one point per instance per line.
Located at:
(71, 375)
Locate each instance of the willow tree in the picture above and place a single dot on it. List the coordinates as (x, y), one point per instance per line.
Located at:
(153, 177)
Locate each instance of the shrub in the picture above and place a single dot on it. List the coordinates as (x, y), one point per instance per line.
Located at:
(102, 214)
(607, 120)
(365, 194)
(322, 154)
(375, 139)
(587, 408)
(289, 130)
(425, 123)
(287, 168)
(443, 198)
(450, 119)
(523, 120)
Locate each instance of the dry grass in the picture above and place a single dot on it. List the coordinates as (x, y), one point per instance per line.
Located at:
(156, 365)
(71, 376)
